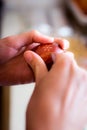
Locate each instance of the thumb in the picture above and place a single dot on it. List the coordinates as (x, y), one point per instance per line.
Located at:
(37, 64)
(63, 62)
(63, 56)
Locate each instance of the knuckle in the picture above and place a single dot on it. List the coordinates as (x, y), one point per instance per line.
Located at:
(10, 40)
(67, 60)
(34, 32)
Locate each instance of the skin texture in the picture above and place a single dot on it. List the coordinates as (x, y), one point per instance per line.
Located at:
(59, 100)
(13, 68)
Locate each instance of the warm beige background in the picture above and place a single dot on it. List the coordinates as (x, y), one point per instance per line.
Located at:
(78, 47)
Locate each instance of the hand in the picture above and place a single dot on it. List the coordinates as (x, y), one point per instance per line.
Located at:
(59, 101)
(13, 68)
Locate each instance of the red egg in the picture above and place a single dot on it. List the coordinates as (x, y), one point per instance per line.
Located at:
(45, 51)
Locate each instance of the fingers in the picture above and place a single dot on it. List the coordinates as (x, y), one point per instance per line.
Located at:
(37, 64)
(58, 57)
(38, 37)
(26, 38)
(21, 40)
(35, 36)
(63, 43)
(63, 62)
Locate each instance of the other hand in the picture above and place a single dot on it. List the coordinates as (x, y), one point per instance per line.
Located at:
(59, 101)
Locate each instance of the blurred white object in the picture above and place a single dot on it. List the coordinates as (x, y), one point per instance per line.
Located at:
(19, 98)
(60, 23)
(85, 128)
(64, 31)
(12, 23)
(37, 19)
(42, 28)
(58, 17)
(30, 3)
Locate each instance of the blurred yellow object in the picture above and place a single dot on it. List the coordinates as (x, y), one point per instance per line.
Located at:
(79, 50)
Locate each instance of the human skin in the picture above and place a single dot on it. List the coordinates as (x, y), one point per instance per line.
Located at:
(59, 100)
(13, 68)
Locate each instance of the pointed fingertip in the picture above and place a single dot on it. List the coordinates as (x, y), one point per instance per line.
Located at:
(63, 43)
(59, 51)
(66, 44)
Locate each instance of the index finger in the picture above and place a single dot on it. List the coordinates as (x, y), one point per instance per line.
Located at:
(63, 43)
(26, 38)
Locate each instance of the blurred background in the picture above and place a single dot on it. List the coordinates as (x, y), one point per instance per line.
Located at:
(58, 18)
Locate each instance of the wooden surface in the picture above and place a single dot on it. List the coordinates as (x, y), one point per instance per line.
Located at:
(79, 49)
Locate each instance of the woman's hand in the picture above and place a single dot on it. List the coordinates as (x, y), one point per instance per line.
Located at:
(59, 101)
(13, 68)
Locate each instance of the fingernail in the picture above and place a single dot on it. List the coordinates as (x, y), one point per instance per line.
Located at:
(33, 45)
(55, 53)
(52, 39)
(59, 50)
(53, 57)
(66, 43)
(70, 54)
